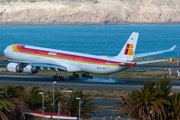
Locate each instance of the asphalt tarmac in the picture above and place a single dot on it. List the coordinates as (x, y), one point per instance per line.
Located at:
(82, 84)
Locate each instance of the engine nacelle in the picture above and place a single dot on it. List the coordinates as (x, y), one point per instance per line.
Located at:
(14, 67)
(31, 69)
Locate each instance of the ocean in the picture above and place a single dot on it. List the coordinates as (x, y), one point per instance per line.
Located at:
(98, 40)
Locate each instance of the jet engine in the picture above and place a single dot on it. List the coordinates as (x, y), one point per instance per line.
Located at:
(31, 69)
(14, 67)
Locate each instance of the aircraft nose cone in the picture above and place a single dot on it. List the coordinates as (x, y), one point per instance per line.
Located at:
(6, 51)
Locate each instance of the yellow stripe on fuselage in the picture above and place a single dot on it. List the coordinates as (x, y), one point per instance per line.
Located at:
(14, 47)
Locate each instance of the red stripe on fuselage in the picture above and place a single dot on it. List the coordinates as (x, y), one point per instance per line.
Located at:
(59, 55)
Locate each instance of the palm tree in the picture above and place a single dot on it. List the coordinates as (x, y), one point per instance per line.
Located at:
(14, 91)
(174, 110)
(145, 103)
(72, 104)
(15, 94)
(124, 107)
(164, 86)
(33, 98)
(57, 96)
(60, 97)
(6, 106)
(149, 102)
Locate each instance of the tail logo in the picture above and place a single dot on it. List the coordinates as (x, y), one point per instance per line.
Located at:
(129, 49)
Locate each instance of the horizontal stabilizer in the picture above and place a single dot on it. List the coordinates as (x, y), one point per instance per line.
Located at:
(152, 61)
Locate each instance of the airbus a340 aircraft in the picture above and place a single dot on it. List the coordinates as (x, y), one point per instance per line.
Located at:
(30, 59)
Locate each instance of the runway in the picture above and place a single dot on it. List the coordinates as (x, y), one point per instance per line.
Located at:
(82, 84)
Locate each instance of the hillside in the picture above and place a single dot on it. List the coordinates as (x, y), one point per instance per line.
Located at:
(81, 12)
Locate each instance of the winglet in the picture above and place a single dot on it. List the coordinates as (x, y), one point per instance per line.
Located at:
(171, 49)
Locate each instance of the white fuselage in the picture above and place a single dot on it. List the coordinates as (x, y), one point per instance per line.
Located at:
(74, 62)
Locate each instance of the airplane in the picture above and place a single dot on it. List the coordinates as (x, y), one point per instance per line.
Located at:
(30, 59)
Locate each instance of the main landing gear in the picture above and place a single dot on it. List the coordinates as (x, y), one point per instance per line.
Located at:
(71, 77)
(74, 76)
(55, 77)
(86, 75)
(58, 77)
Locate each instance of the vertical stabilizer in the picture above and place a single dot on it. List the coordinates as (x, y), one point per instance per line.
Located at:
(128, 51)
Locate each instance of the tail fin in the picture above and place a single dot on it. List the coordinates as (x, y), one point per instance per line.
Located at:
(127, 52)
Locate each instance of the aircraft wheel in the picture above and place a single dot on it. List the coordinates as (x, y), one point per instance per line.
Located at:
(61, 78)
(77, 76)
(87, 75)
(70, 77)
(55, 77)
(83, 75)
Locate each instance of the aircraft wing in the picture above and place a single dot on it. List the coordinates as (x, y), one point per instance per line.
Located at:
(49, 65)
(57, 66)
(153, 53)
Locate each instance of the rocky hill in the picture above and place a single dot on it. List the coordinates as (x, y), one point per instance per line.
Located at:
(88, 12)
